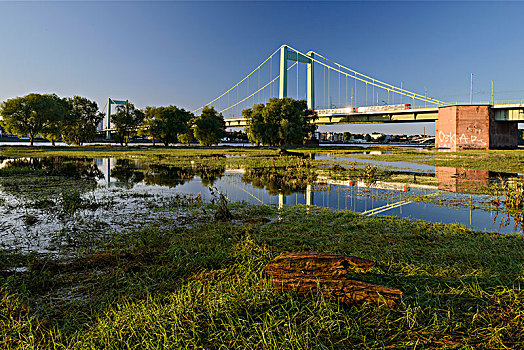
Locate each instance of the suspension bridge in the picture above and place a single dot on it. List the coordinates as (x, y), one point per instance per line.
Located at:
(341, 95)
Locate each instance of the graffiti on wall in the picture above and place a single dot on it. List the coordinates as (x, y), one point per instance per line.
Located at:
(452, 139)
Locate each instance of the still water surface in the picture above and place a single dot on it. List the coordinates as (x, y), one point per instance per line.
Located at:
(125, 191)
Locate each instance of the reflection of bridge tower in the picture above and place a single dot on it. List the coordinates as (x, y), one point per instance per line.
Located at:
(105, 165)
(310, 197)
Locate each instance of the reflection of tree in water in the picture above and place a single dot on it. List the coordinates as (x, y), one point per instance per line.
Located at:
(127, 172)
(48, 176)
(80, 168)
(173, 176)
(209, 175)
(284, 181)
(167, 175)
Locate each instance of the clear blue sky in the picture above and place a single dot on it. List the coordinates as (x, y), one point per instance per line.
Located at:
(185, 53)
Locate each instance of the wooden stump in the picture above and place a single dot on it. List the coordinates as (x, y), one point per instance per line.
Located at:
(308, 273)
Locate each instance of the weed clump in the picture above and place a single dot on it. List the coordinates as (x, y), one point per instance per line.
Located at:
(222, 213)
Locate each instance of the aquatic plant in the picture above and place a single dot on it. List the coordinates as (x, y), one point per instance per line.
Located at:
(222, 212)
(369, 175)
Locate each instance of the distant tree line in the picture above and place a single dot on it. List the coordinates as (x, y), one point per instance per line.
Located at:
(74, 120)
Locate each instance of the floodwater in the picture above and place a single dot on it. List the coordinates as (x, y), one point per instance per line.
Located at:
(123, 194)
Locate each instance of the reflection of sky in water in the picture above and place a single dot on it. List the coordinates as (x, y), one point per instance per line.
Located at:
(358, 199)
(352, 198)
(132, 210)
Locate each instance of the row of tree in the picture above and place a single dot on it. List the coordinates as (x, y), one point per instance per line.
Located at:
(75, 120)
(279, 122)
(168, 125)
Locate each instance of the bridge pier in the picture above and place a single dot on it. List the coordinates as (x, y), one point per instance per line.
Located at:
(473, 127)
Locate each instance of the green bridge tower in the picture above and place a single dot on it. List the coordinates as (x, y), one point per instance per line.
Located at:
(287, 54)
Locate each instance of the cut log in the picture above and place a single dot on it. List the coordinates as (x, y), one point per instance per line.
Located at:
(344, 290)
(312, 264)
(310, 272)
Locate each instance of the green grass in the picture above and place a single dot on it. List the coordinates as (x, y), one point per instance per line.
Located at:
(197, 283)
(203, 287)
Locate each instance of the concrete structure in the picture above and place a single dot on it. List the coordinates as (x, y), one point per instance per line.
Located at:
(473, 127)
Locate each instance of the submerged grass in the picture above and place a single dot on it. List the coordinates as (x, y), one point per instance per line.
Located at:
(493, 160)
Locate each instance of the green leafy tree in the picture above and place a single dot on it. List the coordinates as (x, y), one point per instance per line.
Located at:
(165, 123)
(150, 126)
(279, 122)
(33, 114)
(80, 122)
(347, 136)
(187, 137)
(210, 127)
(260, 130)
(126, 121)
(55, 110)
(368, 138)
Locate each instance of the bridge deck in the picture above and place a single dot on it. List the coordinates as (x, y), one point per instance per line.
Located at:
(503, 112)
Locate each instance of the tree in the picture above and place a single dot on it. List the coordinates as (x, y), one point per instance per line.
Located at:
(126, 121)
(81, 121)
(368, 138)
(279, 122)
(54, 109)
(210, 127)
(33, 114)
(165, 123)
(187, 137)
(347, 136)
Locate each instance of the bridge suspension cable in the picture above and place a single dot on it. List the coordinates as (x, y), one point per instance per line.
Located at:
(255, 90)
(240, 82)
(369, 80)
(254, 93)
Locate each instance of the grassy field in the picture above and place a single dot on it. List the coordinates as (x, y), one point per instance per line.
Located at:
(203, 287)
(493, 160)
(189, 280)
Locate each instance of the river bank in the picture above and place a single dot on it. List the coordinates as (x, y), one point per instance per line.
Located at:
(162, 269)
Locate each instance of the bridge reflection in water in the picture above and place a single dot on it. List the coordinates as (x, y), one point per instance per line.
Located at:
(453, 195)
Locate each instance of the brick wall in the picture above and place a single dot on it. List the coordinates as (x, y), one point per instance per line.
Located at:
(473, 127)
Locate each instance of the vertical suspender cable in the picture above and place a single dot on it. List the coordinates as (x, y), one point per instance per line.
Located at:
(270, 76)
(367, 104)
(324, 86)
(346, 90)
(339, 87)
(329, 91)
(373, 96)
(298, 96)
(355, 100)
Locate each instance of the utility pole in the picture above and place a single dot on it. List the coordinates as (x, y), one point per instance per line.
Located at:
(426, 97)
(492, 95)
(471, 91)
